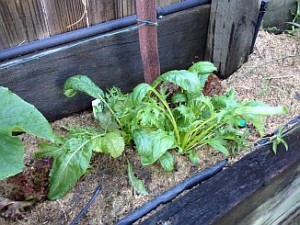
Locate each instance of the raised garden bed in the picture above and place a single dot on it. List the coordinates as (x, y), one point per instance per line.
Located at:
(117, 198)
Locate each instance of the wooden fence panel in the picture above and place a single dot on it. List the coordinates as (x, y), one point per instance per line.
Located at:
(21, 21)
(100, 11)
(65, 15)
(29, 20)
(124, 8)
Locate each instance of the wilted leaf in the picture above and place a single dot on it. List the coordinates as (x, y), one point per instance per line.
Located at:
(137, 184)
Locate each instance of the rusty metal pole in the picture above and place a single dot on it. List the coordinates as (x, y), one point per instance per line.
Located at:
(146, 11)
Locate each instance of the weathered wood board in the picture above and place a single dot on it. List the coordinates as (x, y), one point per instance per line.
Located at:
(260, 189)
(279, 12)
(109, 61)
(230, 33)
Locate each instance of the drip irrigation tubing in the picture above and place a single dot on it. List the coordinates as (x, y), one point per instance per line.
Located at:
(77, 35)
(262, 10)
(86, 207)
(172, 193)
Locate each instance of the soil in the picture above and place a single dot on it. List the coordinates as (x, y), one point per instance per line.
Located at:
(272, 75)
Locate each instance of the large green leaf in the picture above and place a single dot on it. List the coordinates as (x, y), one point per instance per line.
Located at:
(139, 93)
(84, 84)
(69, 166)
(188, 81)
(151, 145)
(11, 155)
(260, 108)
(17, 115)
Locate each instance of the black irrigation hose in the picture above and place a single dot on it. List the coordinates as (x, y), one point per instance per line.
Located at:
(92, 31)
(172, 193)
(173, 8)
(262, 10)
(86, 207)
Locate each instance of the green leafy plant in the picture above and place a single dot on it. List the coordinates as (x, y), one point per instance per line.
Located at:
(279, 140)
(158, 121)
(16, 115)
(72, 155)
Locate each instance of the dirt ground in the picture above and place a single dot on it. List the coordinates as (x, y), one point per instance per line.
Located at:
(272, 75)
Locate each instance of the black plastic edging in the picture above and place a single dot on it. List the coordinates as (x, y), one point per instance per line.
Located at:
(172, 193)
(83, 33)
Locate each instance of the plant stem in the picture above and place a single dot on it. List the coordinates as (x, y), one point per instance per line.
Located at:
(171, 117)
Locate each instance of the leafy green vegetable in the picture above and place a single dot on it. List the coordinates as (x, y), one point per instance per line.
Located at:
(16, 115)
(73, 153)
(152, 145)
(137, 184)
(158, 120)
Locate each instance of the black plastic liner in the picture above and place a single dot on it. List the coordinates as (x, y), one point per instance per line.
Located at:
(172, 193)
(83, 33)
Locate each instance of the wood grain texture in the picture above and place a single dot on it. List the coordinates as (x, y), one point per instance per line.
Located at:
(21, 21)
(146, 10)
(28, 20)
(124, 8)
(259, 189)
(100, 11)
(166, 2)
(109, 61)
(230, 33)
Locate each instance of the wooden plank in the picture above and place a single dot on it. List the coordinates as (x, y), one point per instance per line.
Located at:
(100, 11)
(146, 10)
(109, 61)
(230, 34)
(259, 189)
(64, 15)
(124, 8)
(21, 21)
(166, 2)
